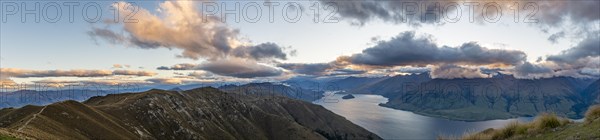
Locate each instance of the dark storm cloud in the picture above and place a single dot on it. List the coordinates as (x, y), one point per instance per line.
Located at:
(163, 68)
(338, 72)
(547, 13)
(556, 13)
(528, 70)
(408, 50)
(261, 51)
(589, 47)
(400, 11)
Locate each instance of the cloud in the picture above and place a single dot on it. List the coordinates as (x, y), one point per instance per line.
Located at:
(180, 25)
(108, 35)
(547, 13)
(90, 83)
(239, 68)
(165, 80)
(119, 66)
(24, 73)
(233, 67)
(450, 71)
(412, 12)
(261, 51)
(7, 83)
(582, 60)
(308, 68)
(414, 55)
(183, 66)
(408, 50)
(407, 53)
(529, 71)
(133, 73)
(202, 75)
(413, 69)
(589, 47)
(556, 13)
(338, 72)
(163, 68)
(554, 37)
(591, 71)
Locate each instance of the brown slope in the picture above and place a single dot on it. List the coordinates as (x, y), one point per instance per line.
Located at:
(69, 120)
(205, 113)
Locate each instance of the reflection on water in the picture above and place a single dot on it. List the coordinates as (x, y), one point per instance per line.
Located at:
(397, 124)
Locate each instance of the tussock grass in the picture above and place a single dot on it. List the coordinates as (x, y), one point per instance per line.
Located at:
(542, 124)
(477, 136)
(513, 130)
(592, 114)
(548, 121)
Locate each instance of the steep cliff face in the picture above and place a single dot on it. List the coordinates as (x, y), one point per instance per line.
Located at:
(204, 113)
(493, 98)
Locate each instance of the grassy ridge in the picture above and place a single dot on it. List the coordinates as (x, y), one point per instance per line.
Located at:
(544, 127)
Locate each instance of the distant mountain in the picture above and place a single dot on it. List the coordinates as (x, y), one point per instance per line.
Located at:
(204, 113)
(352, 82)
(592, 92)
(499, 97)
(33, 97)
(177, 89)
(313, 83)
(271, 89)
(389, 87)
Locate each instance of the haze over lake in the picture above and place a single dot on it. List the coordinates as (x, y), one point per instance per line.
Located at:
(389, 123)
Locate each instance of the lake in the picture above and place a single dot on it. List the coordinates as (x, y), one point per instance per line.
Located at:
(389, 123)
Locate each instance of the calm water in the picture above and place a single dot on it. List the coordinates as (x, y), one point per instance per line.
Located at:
(397, 124)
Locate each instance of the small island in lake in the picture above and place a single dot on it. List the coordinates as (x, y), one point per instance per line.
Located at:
(349, 96)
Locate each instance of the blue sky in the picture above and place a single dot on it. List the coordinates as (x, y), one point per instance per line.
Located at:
(42, 47)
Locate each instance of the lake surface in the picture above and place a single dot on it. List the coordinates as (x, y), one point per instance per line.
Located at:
(397, 124)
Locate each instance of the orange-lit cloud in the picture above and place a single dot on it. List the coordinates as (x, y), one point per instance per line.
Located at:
(25, 73)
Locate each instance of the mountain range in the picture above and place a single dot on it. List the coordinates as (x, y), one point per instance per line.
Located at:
(498, 97)
(271, 89)
(202, 113)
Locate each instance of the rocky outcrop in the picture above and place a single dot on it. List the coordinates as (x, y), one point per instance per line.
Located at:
(349, 96)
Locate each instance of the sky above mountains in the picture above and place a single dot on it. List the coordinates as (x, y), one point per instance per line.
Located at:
(179, 42)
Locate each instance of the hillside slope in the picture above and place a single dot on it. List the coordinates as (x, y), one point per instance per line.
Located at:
(204, 113)
(592, 92)
(545, 127)
(493, 98)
